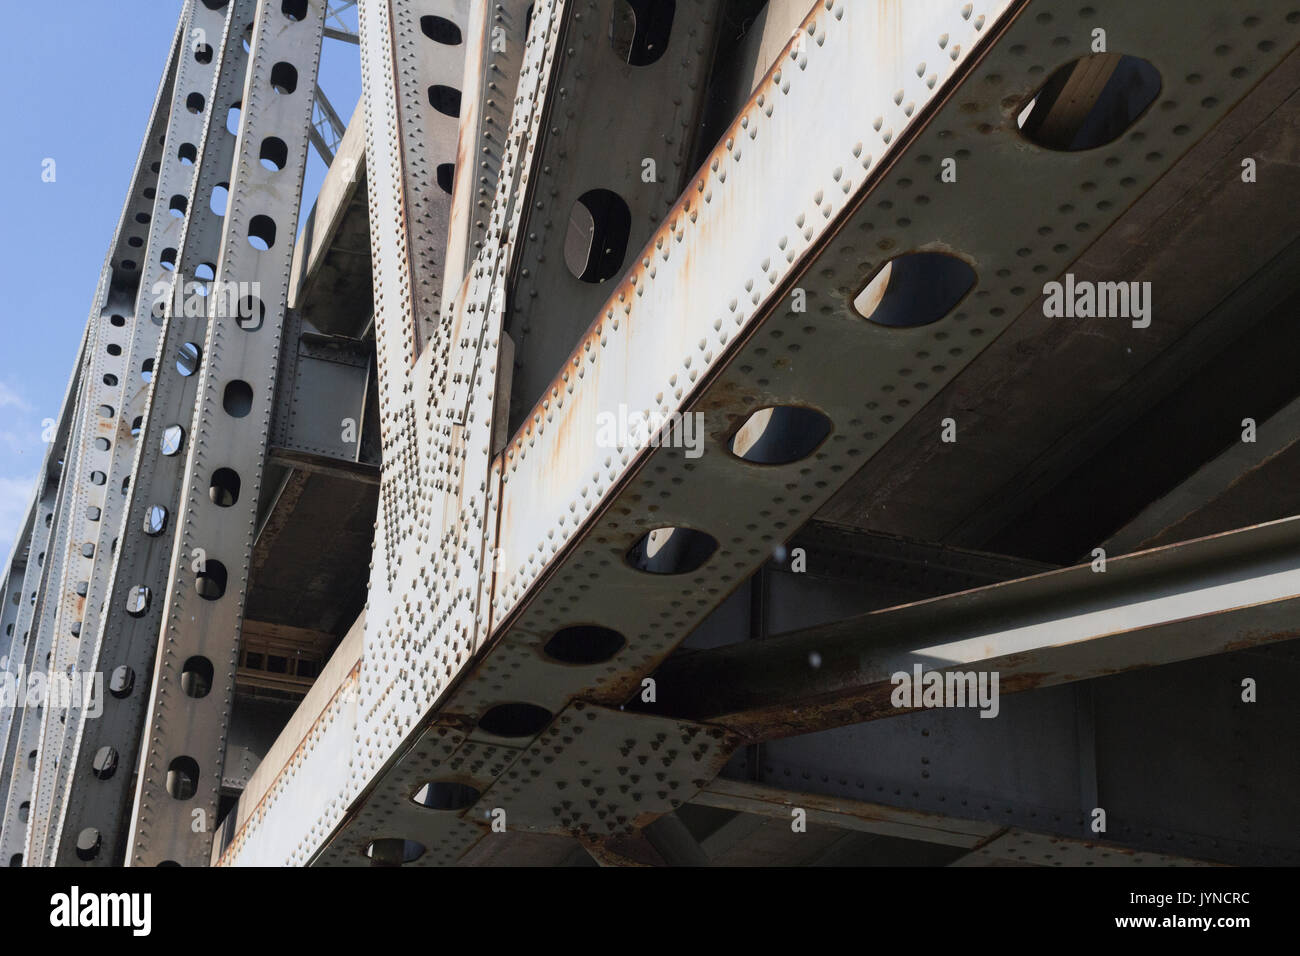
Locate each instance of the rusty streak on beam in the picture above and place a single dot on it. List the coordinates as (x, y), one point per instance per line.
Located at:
(1193, 599)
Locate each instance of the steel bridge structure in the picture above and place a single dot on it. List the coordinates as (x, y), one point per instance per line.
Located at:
(695, 432)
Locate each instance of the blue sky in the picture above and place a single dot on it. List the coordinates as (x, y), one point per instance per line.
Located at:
(80, 84)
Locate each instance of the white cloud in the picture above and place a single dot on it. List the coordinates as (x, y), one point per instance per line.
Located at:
(9, 398)
(15, 495)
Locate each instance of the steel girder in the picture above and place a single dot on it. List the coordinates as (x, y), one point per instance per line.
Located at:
(23, 660)
(96, 427)
(707, 326)
(184, 737)
(100, 780)
(481, 558)
(175, 200)
(569, 512)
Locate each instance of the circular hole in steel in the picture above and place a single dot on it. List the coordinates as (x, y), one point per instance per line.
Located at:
(779, 435)
(187, 359)
(595, 243)
(104, 764)
(237, 399)
(196, 677)
(223, 489)
(393, 851)
(155, 520)
(515, 720)
(445, 795)
(89, 843)
(210, 583)
(138, 600)
(639, 29)
(914, 289)
(584, 644)
(440, 30)
(173, 437)
(671, 551)
(121, 682)
(183, 778)
(1089, 102)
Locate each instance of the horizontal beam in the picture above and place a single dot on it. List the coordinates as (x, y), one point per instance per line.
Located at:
(1192, 599)
(775, 802)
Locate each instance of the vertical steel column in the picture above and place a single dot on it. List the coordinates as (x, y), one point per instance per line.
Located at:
(435, 417)
(99, 786)
(494, 54)
(185, 736)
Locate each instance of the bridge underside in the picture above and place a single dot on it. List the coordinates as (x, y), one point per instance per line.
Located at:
(842, 256)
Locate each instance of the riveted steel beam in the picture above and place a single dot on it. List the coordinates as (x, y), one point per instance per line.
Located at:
(42, 555)
(99, 783)
(495, 37)
(184, 738)
(28, 550)
(176, 199)
(715, 327)
(595, 195)
(709, 320)
(86, 484)
(28, 579)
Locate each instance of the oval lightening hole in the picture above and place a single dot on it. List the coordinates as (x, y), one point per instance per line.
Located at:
(121, 682)
(155, 520)
(1089, 102)
(780, 434)
(284, 78)
(210, 583)
(274, 154)
(445, 100)
(515, 720)
(914, 289)
(138, 600)
(445, 795)
(89, 843)
(183, 778)
(584, 644)
(639, 29)
(224, 488)
(187, 359)
(250, 313)
(196, 677)
(261, 233)
(394, 851)
(440, 30)
(446, 176)
(596, 240)
(237, 399)
(671, 551)
(104, 764)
